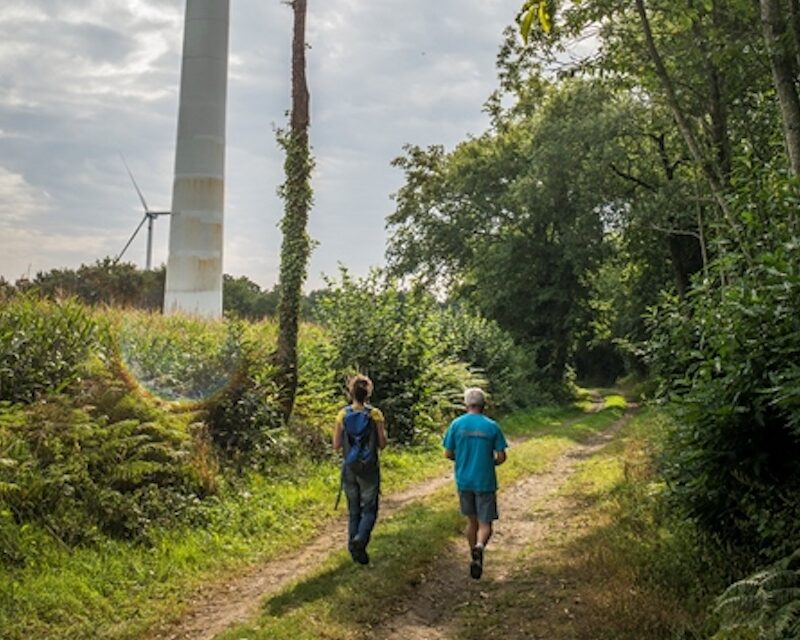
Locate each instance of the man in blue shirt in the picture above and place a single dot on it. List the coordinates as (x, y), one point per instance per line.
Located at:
(477, 445)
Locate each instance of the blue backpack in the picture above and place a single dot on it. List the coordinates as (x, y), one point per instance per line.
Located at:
(360, 441)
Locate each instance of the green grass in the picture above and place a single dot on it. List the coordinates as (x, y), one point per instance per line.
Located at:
(118, 589)
(339, 600)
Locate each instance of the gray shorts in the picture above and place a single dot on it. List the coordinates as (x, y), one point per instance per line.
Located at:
(480, 504)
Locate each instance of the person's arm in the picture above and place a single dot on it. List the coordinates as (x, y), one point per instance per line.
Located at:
(500, 446)
(337, 435)
(449, 444)
(382, 439)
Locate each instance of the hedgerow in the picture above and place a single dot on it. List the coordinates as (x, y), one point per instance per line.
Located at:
(120, 423)
(727, 358)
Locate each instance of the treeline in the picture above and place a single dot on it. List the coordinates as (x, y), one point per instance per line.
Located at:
(107, 282)
(635, 209)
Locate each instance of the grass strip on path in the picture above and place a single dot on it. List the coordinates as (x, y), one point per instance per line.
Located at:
(340, 599)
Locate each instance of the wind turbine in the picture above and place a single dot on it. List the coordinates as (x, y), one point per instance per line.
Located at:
(149, 216)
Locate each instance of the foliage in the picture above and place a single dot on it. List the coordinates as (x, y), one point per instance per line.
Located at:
(535, 11)
(246, 418)
(490, 351)
(104, 282)
(179, 357)
(764, 606)
(243, 298)
(727, 357)
(81, 474)
(42, 344)
(389, 335)
(512, 222)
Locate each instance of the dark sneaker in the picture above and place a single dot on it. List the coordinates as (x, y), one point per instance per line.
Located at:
(476, 566)
(358, 549)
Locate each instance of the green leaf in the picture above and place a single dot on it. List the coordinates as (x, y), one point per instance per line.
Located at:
(527, 23)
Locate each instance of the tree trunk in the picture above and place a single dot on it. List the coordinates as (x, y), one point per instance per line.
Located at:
(717, 108)
(297, 195)
(781, 60)
(710, 169)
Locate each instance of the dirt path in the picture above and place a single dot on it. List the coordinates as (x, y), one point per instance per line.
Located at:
(531, 512)
(237, 599)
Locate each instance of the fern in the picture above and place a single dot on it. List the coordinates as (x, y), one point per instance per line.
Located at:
(766, 603)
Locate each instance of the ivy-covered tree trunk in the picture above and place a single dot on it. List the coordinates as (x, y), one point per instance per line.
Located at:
(297, 195)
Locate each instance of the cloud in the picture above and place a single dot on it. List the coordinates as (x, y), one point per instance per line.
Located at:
(21, 202)
(81, 82)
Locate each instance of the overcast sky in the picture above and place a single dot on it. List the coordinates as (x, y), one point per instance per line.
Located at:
(82, 82)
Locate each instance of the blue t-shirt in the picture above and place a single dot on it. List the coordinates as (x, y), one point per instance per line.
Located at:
(474, 438)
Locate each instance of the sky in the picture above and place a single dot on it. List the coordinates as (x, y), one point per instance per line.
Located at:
(83, 82)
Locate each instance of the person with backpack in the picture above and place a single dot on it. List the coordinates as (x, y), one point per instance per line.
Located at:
(361, 433)
(477, 445)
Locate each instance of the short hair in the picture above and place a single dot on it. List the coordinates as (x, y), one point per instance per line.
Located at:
(475, 397)
(360, 388)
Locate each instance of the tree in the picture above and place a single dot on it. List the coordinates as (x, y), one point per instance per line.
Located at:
(244, 298)
(783, 54)
(297, 195)
(512, 221)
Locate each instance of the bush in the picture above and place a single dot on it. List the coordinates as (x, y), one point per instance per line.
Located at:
(79, 475)
(419, 357)
(490, 350)
(728, 358)
(42, 344)
(764, 606)
(246, 420)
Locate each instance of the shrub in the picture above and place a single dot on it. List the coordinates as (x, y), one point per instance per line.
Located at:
(42, 344)
(490, 350)
(728, 358)
(764, 606)
(413, 352)
(79, 475)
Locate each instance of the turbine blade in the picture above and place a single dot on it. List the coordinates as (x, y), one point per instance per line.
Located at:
(136, 186)
(125, 248)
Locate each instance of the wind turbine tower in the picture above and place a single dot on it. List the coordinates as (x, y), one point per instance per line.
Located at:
(194, 265)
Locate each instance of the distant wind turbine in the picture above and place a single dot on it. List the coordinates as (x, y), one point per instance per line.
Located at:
(149, 217)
